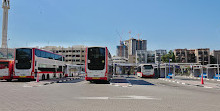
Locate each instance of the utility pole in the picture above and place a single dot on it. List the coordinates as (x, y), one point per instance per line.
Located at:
(6, 7)
(218, 66)
(158, 71)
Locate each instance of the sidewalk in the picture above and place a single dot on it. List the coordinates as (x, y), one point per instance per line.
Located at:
(193, 82)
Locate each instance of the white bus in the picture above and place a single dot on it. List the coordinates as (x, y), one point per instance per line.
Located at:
(33, 62)
(98, 64)
(145, 70)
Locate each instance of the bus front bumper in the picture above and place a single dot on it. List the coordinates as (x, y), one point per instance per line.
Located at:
(95, 78)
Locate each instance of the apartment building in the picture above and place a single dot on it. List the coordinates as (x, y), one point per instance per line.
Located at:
(158, 55)
(203, 56)
(122, 50)
(180, 55)
(191, 57)
(135, 44)
(73, 54)
(216, 55)
(141, 56)
(151, 56)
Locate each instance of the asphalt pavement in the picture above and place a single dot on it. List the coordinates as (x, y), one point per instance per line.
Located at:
(130, 94)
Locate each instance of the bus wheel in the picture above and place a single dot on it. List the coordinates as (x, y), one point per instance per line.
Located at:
(48, 76)
(8, 80)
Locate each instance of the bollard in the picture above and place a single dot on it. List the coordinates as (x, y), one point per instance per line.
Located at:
(37, 80)
(202, 82)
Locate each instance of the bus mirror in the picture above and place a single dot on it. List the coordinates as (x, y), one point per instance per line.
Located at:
(16, 61)
(88, 61)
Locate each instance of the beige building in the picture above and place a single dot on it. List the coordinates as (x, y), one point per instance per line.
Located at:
(203, 56)
(180, 55)
(73, 55)
(134, 45)
(132, 59)
(216, 54)
(191, 57)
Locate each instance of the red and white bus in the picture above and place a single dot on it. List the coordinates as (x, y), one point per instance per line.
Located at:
(6, 69)
(98, 64)
(145, 70)
(33, 62)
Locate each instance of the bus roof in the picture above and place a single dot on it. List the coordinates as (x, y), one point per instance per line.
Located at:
(96, 46)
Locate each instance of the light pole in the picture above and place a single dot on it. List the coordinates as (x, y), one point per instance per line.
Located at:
(218, 67)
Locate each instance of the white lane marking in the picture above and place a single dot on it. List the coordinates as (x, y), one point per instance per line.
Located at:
(27, 86)
(120, 97)
(207, 87)
(93, 98)
(135, 97)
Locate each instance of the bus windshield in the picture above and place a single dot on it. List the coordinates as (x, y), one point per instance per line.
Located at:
(23, 58)
(148, 67)
(96, 58)
(3, 65)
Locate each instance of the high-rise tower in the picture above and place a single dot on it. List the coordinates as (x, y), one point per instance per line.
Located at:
(6, 7)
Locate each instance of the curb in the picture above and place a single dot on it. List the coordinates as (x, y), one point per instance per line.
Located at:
(183, 83)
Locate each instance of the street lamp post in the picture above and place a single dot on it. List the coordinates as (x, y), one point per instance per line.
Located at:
(218, 67)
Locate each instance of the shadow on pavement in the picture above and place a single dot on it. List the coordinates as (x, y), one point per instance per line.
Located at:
(119, 81)
(73, 81)
(140, 82)
(130, 77)
(99, 82)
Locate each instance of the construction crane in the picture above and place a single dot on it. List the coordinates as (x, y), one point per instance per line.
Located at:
(6, 7)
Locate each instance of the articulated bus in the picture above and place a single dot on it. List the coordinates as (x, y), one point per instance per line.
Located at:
(33, 62)
(98, 64)
(145, 70)
(6, 69)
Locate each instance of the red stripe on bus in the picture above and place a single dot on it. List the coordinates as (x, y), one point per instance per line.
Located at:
(33, 61)
(106, 59)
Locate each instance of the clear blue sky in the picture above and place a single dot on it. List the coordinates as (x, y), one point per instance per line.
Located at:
(166, 24)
